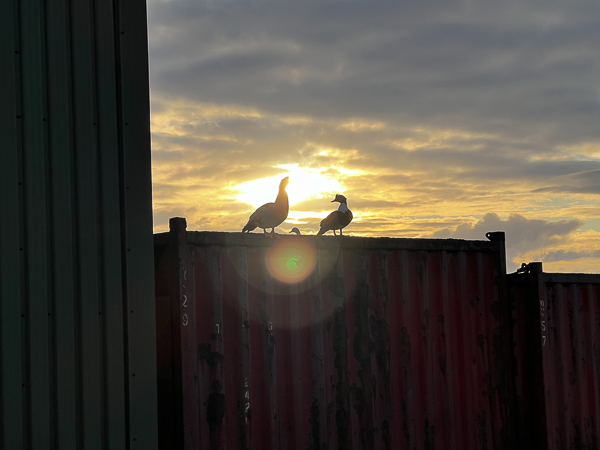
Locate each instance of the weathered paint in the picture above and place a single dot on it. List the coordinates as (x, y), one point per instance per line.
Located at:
(388, 344)
(556, 329)
(77, 342)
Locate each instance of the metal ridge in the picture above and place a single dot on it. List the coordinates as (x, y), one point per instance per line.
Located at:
(345, 242)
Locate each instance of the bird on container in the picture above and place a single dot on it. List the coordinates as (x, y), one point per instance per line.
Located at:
(337, 220)
(295, 230)
(270, 215)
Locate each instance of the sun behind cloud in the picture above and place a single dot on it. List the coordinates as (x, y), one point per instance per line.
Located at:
(305, 184)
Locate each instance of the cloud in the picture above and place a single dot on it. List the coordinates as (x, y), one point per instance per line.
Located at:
(522, 234)
(430, 117)
(529, 71)
(562, 255)
(586, 182)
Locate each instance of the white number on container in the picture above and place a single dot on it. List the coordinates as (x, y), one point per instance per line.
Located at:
(247, 396)
(543, 322)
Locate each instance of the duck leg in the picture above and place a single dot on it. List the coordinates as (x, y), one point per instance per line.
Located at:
(334, 233)
(341, 234)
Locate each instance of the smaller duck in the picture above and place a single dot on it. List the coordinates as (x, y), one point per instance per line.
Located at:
(337, 220)
(296, 231)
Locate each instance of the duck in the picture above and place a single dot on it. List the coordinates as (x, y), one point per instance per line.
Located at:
(295, 230)
(270, 215)
(337, 220)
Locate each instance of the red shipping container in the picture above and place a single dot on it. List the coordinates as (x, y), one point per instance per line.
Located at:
(556, 332)
(296, 342)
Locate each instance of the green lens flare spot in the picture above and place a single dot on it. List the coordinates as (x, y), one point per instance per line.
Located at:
(291, 260)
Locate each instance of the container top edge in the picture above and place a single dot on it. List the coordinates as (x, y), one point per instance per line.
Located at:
(203, 238)
(571, 278)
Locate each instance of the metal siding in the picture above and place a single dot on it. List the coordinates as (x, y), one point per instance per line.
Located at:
(11, 357)
(75, 228)
(111, 307)
(63, 264)
(572, 339)
(387, 344)
(134, 114)
(557, 339)
(88, 337)
(36, 293)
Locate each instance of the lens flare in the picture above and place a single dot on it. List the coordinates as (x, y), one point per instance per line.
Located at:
(292, 259)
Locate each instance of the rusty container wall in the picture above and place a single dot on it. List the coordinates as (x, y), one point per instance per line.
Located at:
(556, 329)
(388, 344)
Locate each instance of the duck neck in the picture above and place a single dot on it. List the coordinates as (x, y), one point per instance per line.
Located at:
(343, 207)
(282, 197)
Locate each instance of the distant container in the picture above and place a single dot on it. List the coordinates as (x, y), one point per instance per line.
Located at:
(557, 354)
(386, 344)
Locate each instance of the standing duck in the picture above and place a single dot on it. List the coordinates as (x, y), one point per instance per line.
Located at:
(338, 219)
(270, 215)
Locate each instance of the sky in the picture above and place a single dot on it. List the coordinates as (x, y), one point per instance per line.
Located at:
(435, 119)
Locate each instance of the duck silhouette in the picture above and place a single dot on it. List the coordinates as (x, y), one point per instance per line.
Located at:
(270, 215)
(337, 220)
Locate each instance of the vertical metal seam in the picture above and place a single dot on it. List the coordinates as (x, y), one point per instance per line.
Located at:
(74, 248)
(25, 413)
(80, 431)
(50, 231)
(25, 291)
(103, 352)
(122, 208)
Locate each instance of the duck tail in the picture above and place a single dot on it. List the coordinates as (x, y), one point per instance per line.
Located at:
(321, 231)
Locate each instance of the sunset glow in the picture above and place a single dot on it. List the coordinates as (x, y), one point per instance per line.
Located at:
(434, 123)
(305, 184)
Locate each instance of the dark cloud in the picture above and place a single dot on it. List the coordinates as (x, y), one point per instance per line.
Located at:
(526, 69)
(562, 255)
(587, 182)
(522, 234)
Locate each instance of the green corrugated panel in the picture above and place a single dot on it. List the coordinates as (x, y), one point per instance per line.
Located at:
(63, 242)
(37, 292)
(138, 215)
(110, 223)
(86, 201)
(11, 424)
(76, 273)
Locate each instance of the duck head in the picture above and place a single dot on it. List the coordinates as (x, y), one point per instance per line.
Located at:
(284, 183)
(339, 198)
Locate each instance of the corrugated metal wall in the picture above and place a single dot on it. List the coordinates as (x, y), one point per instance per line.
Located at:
(557, 353)
(76, 282)
(388, 344)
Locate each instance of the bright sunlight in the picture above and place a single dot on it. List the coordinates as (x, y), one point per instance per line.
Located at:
(304, 184)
